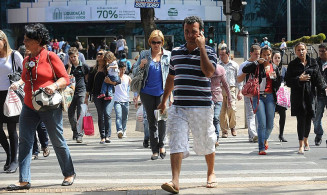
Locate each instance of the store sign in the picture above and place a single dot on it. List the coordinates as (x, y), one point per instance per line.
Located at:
(115, 13)
(147, 4)
(108, 13)
(67, 14)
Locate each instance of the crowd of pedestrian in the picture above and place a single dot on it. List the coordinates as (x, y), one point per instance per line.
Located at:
(188, 89)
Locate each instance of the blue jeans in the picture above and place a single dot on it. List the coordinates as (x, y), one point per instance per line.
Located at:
(106, 87)
(216, 114)
(121, 109)
(104, 109)
(265, 116)
(28, 122)
(43, 138)
(146, 126)
(321, 105)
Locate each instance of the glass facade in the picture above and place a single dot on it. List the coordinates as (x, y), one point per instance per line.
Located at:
(262, 18)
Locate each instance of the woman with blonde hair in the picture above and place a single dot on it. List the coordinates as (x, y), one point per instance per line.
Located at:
(303, 77)
(155, 61)
(8, 59)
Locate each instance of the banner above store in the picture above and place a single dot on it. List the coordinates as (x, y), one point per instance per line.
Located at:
(117, 13)
(147, 4)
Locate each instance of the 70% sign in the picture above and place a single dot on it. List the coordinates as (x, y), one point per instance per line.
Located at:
(107, 14)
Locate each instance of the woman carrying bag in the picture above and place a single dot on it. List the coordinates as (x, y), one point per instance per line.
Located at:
(269, 81)
(155, 63)
(98, 75)
(8, 59)
(39, 71)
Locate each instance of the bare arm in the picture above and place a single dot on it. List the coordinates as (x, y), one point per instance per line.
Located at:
(241, 77)
(168, 89)
(206, 66)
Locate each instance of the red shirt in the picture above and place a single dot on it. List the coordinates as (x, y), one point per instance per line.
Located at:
(44, 75)
(269, 87)
(55, 45)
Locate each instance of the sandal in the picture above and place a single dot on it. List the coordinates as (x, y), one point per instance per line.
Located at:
(46, 151)
(213, 184)
(170, 187)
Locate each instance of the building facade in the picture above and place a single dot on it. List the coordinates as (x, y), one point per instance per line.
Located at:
(93, 21)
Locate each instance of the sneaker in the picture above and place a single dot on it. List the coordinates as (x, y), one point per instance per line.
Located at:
(46, 151)
(146, 143)
(79, 139)
(74, 135)
(225, 135)
(255, 139)
(120, 134)
(124, 134)
(101, 96)
(318, 141)
(35, 157)
(233, 131)
(108, 98)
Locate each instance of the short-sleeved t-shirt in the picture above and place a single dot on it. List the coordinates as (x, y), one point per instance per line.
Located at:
(79, 73)
(191, 87)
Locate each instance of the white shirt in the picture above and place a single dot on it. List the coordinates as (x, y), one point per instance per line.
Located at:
(231, 69)
(122, 90)
(113, 71)
(283, 46)
(6, 68)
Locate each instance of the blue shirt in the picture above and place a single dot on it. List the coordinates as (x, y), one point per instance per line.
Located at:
(153, 85)
(191, 87)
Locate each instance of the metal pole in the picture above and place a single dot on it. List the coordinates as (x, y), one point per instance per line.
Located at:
(289, 36)
(228, 17)
(313, 17)
(245, 56)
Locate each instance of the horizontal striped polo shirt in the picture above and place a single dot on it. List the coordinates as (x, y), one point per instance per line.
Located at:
(191, 87)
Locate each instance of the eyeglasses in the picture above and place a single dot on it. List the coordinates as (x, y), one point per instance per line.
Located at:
(99, 54)
(154, 42)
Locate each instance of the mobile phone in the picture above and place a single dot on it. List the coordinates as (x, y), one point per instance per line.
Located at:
(202, 32)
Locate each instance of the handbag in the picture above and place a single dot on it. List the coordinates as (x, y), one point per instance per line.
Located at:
(43, 101)
(67, 93)
(136, 83)
(283, 97)
(13, 104)
(16, 74)
(252, 88)
(88, 125)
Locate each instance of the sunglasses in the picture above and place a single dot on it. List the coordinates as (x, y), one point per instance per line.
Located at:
(154, 42)
(99, 54)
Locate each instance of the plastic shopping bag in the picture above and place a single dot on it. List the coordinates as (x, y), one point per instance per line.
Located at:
(283, 97)
(139, 120)
(12, 105)
(88, 125)
(80, 118)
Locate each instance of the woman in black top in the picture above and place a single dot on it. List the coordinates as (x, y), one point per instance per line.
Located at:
(303, 76)
(97, 75)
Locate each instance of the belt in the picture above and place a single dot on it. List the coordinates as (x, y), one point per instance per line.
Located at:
(265, 94)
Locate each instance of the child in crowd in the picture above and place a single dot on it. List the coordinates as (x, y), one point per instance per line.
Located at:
(113, 74)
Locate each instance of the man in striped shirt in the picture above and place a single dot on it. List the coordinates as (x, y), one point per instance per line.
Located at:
(191, 67)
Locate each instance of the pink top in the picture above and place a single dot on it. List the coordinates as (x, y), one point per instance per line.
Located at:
(218, 78)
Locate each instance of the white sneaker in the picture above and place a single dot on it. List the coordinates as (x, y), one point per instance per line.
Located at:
(124, 134)
(120, 134)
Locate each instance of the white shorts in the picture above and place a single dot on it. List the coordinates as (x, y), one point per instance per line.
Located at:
(200, 121)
